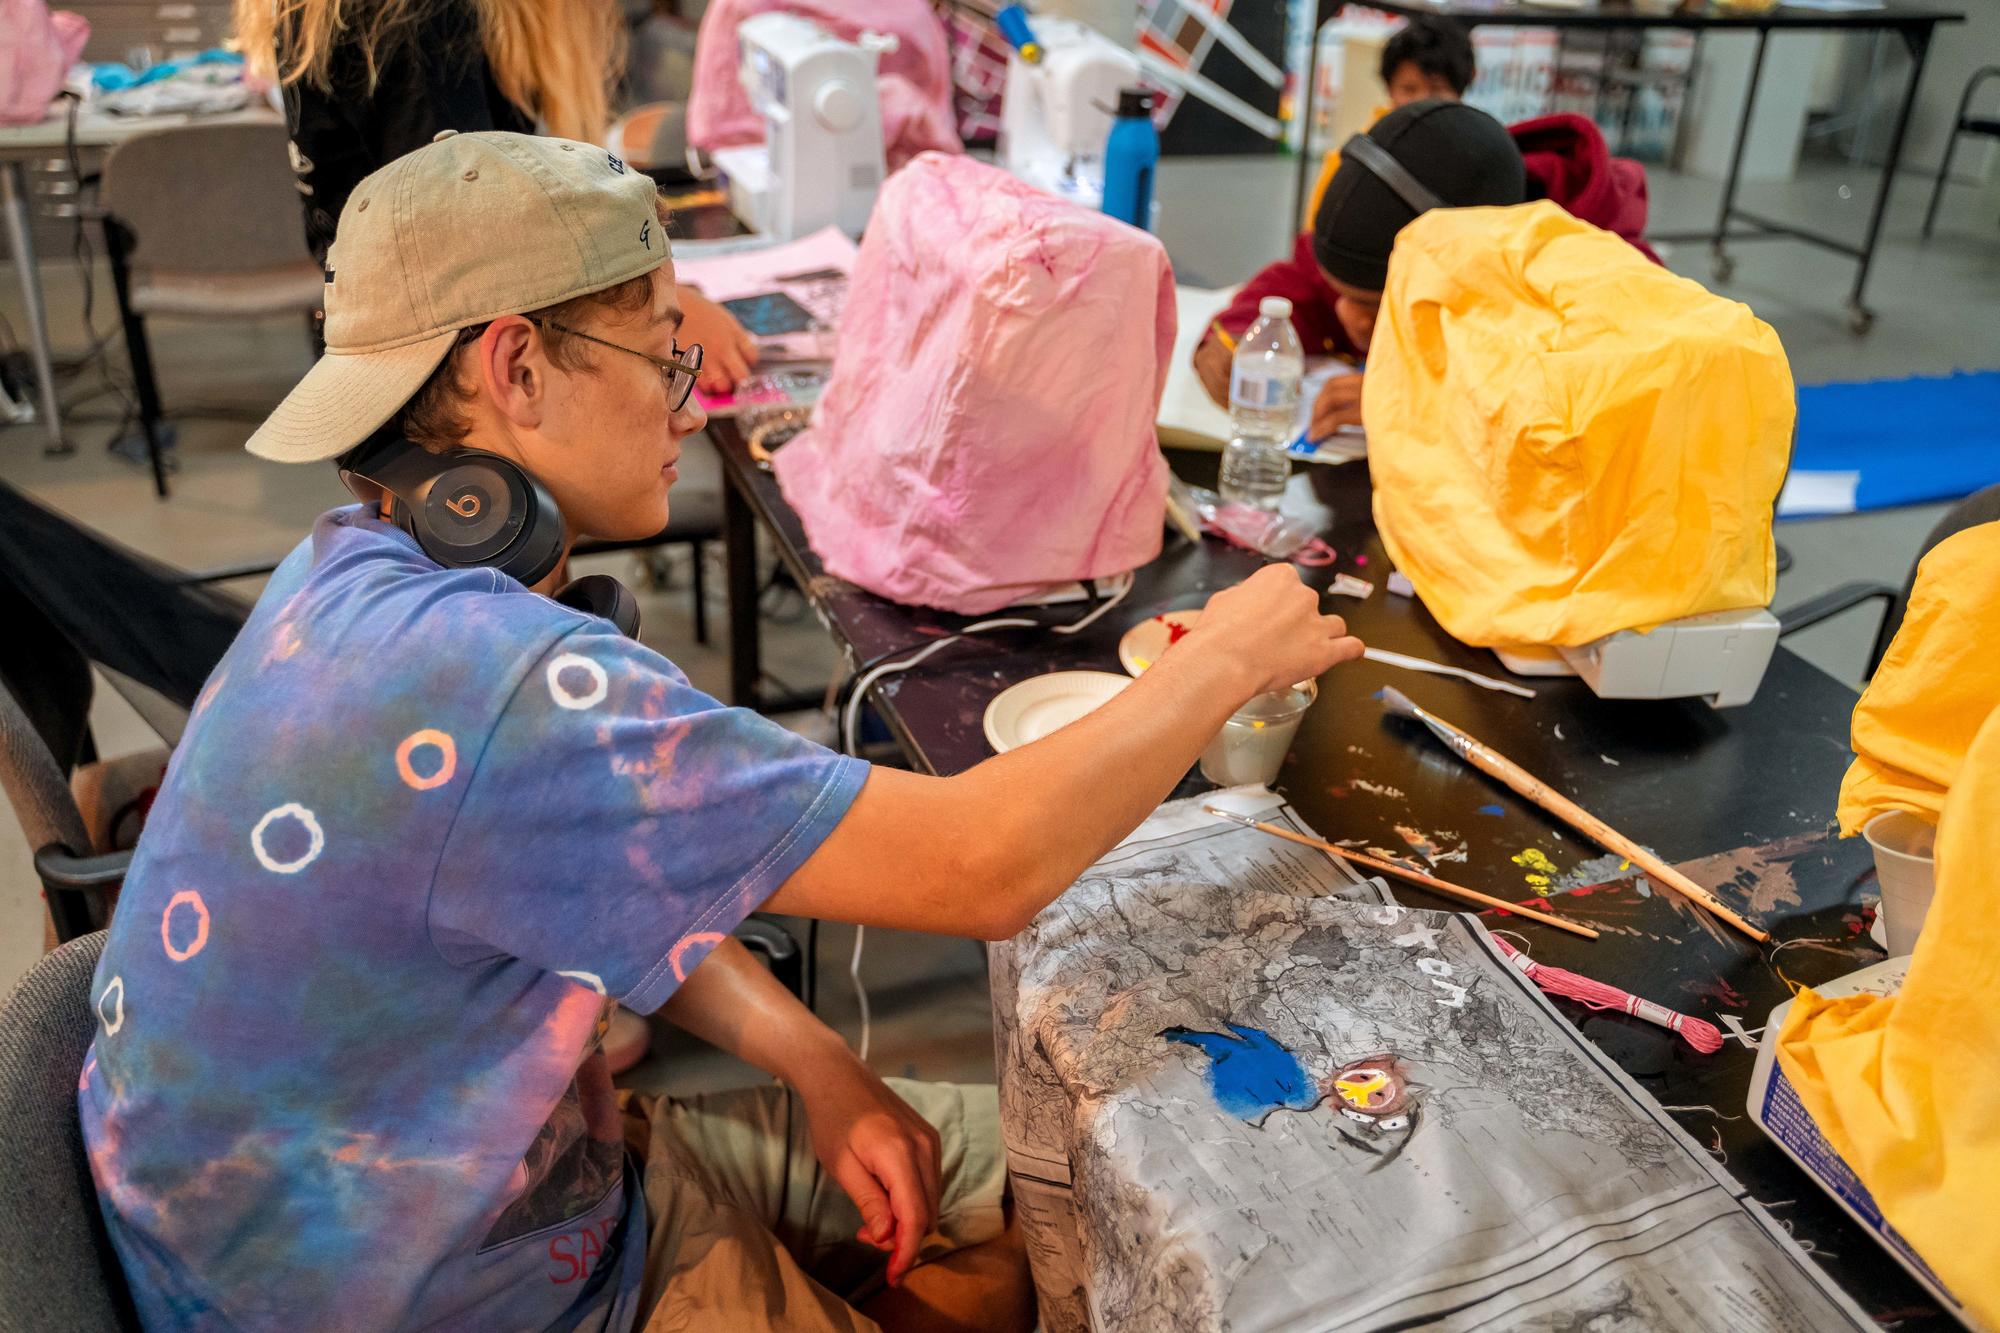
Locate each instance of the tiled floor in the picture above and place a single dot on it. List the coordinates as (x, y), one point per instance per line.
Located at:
(1939, 309)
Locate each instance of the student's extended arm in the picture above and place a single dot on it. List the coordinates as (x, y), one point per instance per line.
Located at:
(875, 1147)
(980, 853)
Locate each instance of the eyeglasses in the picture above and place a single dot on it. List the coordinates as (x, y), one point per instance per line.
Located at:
(680, 370)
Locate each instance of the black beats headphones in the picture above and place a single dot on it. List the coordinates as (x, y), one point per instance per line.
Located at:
(472, 509)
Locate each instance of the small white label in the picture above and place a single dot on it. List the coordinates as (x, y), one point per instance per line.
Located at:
(1247, 389)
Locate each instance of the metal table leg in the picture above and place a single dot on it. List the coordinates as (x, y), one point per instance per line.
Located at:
(1859, 316)
(1721, 264)
(21, 245)
(1304, 112)
(739, 545)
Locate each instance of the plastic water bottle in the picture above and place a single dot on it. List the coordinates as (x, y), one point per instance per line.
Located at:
(1263, 407)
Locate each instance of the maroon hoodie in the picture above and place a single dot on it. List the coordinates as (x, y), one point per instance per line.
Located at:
(1566, 160)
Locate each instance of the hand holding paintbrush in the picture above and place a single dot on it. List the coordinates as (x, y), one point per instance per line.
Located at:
(1496, 765)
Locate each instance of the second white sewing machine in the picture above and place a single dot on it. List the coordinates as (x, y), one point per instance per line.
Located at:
(1056, 114)
(821, 160)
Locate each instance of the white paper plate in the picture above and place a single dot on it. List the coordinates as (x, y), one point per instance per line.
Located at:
(1145, 641)
(1034, 708)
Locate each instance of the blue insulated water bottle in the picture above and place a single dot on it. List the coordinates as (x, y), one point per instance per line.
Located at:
(1131, 155)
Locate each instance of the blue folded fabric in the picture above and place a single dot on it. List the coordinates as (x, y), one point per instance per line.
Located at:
(1881, 443)
(111, 77)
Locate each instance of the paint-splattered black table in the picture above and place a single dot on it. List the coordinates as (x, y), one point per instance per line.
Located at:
(1741, 799)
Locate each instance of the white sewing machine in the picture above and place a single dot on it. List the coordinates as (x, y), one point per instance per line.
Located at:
(1721, 656)
(1056, 114)
(821, 159)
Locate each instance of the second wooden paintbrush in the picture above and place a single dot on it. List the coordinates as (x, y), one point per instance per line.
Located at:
(1496, 765)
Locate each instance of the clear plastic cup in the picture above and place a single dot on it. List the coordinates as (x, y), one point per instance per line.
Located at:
(1903, 844)
(1253, 743)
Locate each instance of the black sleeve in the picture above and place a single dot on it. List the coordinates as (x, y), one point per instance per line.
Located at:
(429, 77)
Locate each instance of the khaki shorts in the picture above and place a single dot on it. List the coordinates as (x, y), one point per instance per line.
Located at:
(744, 1234)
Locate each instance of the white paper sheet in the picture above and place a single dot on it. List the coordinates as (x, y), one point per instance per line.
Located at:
(1810, 493)
(1190, 419)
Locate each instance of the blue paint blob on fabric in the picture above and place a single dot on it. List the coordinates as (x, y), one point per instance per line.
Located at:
(1493, 810)
(1250, 1074)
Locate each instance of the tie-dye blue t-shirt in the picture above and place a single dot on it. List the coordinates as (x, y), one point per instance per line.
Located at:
(423, 828)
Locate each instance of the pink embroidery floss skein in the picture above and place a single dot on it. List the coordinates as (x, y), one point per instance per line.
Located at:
(1703, 1036)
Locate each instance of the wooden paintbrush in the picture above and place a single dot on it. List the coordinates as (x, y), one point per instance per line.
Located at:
(1439, 886)
(1496, 765)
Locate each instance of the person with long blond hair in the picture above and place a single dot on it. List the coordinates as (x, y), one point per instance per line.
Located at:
(365, 81)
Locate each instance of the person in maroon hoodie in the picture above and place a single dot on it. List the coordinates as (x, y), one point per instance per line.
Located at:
(1561, 157)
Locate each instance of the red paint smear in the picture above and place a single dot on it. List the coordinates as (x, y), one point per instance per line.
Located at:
(1175, 632)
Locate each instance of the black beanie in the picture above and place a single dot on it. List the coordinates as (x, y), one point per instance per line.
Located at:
(1464, 156)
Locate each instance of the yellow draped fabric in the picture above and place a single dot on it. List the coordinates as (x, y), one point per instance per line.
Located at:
(1566, 439)
(1907, 1087)
(1938, 681)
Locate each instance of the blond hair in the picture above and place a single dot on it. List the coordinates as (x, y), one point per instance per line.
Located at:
(555, 59)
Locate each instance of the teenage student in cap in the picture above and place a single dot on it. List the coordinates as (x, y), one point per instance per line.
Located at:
(1424, 155)
(429, 823)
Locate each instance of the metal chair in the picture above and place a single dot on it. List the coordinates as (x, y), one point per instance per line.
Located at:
(1980, 507)
(59, 1270)
(1962, 124)
(201, 221)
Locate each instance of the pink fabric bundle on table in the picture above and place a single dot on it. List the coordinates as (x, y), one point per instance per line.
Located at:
(913, 82)
(987, 431)
(36, 50)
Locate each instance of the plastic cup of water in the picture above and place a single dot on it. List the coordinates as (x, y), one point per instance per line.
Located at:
(1253, 743)
(1903, 844)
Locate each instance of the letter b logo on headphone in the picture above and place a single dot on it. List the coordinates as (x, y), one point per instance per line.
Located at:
(473, 510)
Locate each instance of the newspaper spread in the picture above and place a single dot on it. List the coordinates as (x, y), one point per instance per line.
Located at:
(1241, 1091)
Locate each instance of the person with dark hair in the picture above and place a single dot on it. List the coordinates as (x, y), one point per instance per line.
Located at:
(1428, 154)
(1335, 275)
(1428, 58)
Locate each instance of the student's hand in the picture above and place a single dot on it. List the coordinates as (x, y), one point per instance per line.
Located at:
(1270, 623)
(728, 349)
(1211, 363)
(886, 1156)
(1338, 404)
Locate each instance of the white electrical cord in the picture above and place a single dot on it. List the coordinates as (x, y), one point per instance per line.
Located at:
(850, 718)
(860, 991)
(850, 721)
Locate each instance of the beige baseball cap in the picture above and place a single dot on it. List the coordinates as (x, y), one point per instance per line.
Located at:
(463, 230)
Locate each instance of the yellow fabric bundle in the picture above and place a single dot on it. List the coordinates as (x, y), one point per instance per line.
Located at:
(1568, 440)
(1938, 681)
(1907, 1087)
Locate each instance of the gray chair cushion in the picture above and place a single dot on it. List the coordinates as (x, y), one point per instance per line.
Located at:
(299, 289)
(57, 1268)
(208, 198)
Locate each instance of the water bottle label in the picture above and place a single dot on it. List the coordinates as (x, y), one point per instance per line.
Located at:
(1255, 391)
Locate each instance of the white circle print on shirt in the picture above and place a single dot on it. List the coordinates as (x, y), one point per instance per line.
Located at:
(565, 697)
(114, 996)
(315, 839)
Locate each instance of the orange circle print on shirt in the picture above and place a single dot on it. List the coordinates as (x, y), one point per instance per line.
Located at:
(430, 739)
